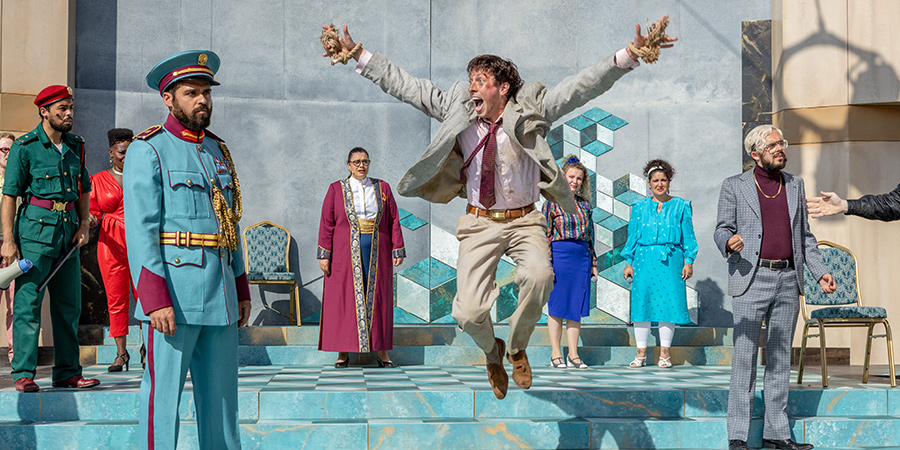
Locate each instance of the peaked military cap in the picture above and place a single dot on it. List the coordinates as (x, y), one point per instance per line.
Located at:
(202, 64)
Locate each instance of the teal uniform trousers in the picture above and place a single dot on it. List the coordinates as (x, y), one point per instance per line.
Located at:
(170, 173)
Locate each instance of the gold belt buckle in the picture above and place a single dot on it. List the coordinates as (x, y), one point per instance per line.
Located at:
(58, 206)
(497, 214)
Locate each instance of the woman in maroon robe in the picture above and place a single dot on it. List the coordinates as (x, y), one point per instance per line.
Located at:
(359, 243)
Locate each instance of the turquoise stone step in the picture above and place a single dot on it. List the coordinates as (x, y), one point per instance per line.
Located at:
(830, 433)
(257, 355)
(452, 407)
(447, 345)
(450, 335)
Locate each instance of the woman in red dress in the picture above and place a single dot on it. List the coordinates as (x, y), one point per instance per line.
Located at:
(107, 208)
(359, 243)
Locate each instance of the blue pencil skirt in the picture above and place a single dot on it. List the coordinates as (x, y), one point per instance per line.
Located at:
(570, 298)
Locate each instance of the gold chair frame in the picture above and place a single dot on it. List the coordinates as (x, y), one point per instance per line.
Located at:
(295, 289)
(844, 322)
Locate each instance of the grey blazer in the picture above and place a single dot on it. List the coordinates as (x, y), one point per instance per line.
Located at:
(739, 213)
(526, 120)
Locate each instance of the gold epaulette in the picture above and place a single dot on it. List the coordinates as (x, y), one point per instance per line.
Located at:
(149, 132)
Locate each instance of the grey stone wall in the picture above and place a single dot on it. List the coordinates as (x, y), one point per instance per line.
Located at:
(290, 118)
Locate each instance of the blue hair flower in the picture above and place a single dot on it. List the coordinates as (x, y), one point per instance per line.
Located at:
(572, 160)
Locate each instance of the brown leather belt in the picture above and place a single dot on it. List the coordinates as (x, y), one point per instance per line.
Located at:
(188, 239)
(500, 214)
(52, 205)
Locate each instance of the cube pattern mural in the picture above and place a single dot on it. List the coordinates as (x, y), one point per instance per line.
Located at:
(424, 291)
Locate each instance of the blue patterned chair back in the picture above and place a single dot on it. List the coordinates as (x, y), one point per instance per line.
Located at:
(842, 266)
(267, 247)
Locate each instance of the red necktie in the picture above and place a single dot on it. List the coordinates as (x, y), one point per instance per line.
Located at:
(488, 159)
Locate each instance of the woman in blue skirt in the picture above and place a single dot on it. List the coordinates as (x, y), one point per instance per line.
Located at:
(572, 248)
(659, 255)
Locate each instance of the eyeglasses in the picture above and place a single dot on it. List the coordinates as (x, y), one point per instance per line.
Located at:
(360, 162)
(770, 148)
(4, 149)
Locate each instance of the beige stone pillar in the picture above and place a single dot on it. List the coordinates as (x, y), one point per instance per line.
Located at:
(836, 96)
(37, 49)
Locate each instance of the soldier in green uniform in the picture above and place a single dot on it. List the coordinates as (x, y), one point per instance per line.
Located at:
(46, 168)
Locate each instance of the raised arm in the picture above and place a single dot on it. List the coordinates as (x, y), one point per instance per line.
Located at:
(576, 90)
(418, 92)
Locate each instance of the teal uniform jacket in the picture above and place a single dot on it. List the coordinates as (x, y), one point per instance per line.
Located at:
(35, 168)
(168, 180)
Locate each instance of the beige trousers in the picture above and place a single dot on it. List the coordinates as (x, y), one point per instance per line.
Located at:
(482, 242)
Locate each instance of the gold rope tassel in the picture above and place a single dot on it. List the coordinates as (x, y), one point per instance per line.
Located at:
(331, 43)
(649, 53)
(228, 217)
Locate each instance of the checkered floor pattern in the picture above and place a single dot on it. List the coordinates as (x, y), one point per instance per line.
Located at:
(434, 378)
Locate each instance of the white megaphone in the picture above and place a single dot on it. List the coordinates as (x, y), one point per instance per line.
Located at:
(18, 267)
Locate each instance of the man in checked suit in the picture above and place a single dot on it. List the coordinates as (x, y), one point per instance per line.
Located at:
(763, 232)
(492, 150)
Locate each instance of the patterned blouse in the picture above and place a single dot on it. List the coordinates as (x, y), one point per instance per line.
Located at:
(562, 225)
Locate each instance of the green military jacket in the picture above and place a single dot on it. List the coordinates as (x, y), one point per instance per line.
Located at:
(37, 168)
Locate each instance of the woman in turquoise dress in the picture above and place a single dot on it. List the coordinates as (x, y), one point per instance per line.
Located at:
(659, 256)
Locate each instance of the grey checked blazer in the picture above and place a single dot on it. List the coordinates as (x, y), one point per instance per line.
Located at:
(526, 120)
(739, 213)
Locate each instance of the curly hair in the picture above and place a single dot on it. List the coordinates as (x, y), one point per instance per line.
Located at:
(503, 70)
(572, 162)
(657, 165)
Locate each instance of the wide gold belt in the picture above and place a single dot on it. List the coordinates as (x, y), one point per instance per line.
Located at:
(366, 226)
(188, 239)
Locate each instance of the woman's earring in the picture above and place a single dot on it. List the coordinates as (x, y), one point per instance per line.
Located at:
(110, 160)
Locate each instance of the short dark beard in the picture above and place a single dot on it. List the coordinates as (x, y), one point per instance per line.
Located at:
(194, 123)
(61, 127)
(773, 167)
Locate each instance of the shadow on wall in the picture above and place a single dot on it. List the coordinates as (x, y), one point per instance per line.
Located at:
(871, 69)
(713, 310)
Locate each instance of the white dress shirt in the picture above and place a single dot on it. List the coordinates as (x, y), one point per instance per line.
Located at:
(516, 176)
(364, 198)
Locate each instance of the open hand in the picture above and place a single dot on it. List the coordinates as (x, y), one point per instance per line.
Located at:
(829, 204)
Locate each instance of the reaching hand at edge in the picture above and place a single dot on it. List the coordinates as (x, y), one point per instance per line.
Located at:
(829, 204)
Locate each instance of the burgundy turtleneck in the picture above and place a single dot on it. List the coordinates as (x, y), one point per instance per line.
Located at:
(776, 219)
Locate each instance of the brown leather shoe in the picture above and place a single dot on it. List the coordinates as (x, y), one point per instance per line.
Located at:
(521, 370)
(27, 385)
(497, 374)
(77, 381)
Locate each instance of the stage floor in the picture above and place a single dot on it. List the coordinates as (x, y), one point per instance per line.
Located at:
(448, 407)
(413, 377)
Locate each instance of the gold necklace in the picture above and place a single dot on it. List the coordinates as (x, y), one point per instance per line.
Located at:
(760, 189)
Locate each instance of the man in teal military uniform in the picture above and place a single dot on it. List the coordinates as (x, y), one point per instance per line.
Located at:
(46, 168)
(182, 206)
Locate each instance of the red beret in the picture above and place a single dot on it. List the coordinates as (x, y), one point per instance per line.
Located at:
(51, 94)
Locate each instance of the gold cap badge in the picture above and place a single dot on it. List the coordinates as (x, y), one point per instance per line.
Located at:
(70, 90)
(202, 59)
